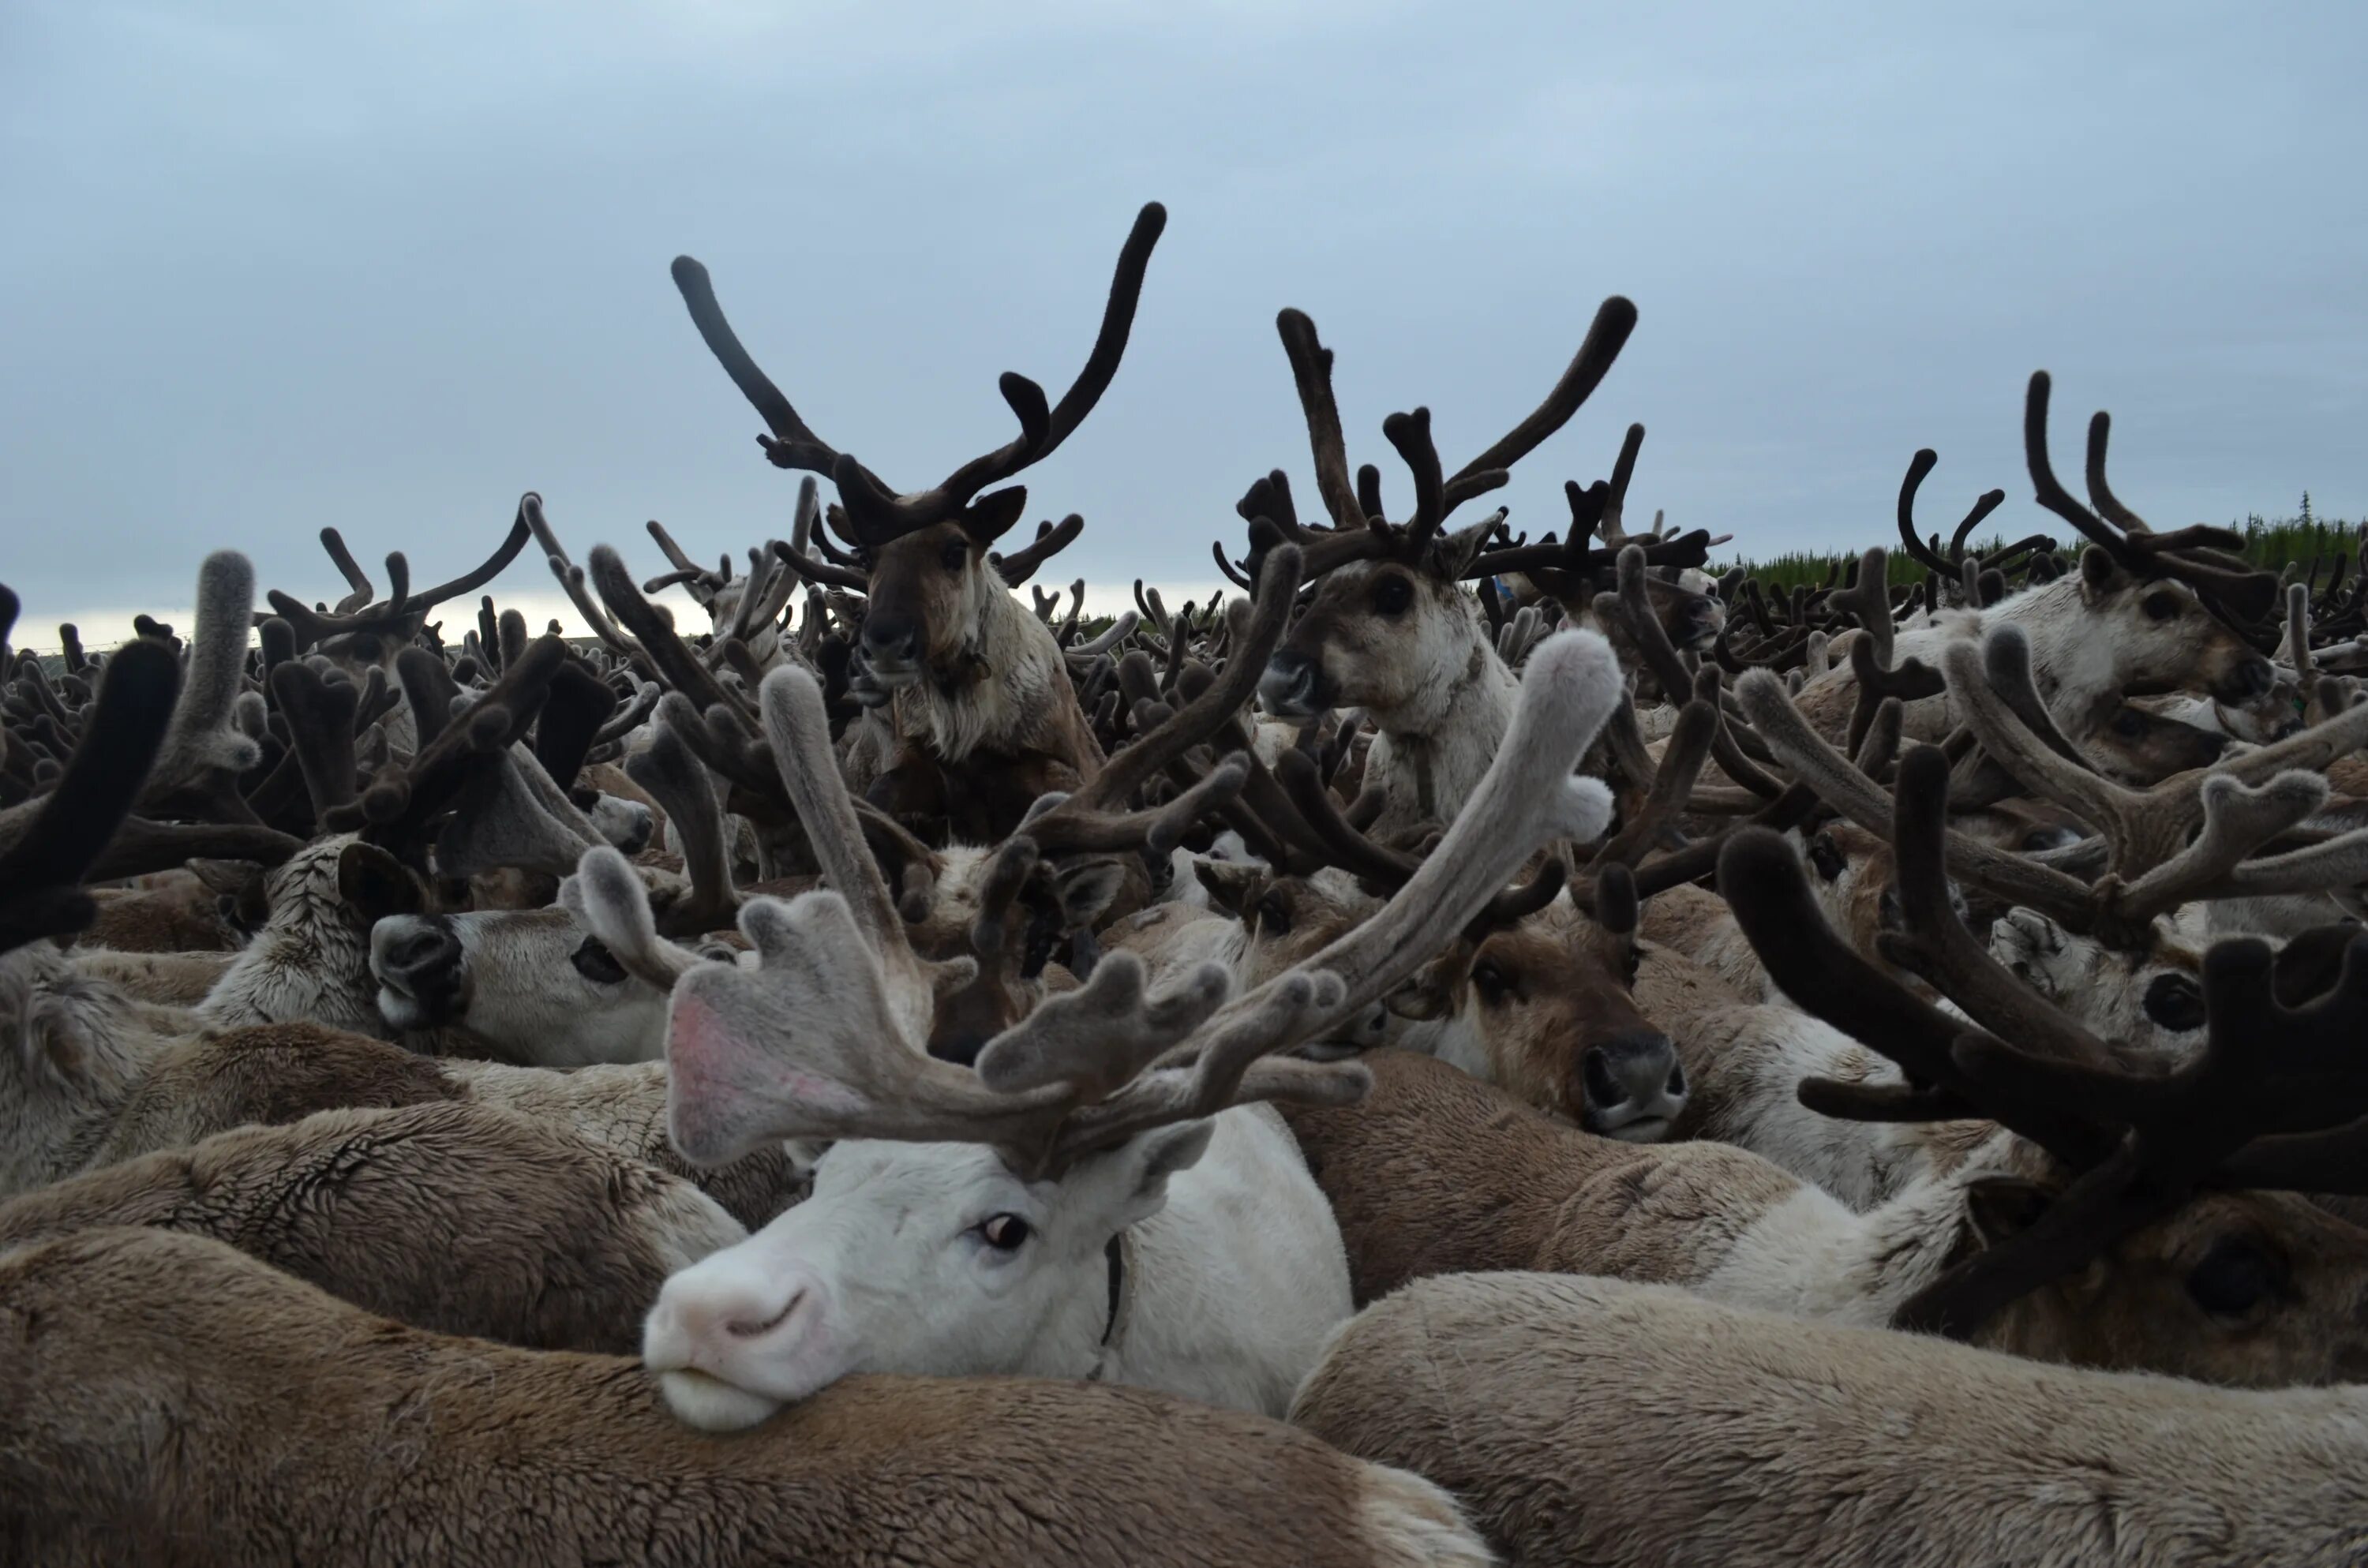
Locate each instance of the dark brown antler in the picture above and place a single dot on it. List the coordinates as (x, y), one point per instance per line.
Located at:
(54, 842)
(2201, 557)
(877, 514)
(403, 612)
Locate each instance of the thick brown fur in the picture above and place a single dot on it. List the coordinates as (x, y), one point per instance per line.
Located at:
(1585, 1421)
(163, 1398)
(453, 1216)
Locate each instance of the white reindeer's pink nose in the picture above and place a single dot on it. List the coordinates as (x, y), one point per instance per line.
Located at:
(731, 1344)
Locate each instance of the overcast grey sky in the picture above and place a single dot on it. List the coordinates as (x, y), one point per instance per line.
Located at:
(275, 265)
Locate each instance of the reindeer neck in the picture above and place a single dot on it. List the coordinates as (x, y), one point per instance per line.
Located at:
(1008, 690)
(2074, 665)
(1443, 741)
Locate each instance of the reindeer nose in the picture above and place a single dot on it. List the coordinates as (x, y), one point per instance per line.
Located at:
(889, 640)
(1289, 685)
(417, 955)
(2252, 678)
(1632, 1086)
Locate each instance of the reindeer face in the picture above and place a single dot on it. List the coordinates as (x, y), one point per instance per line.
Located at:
(930, 1259)
(2162, 635)
(2257, 1290)
(532, 983)
(2150, 1002)
(927, 591)
(1693, 620)
(2139, 747)
(1380, 635)
(1545, 1010)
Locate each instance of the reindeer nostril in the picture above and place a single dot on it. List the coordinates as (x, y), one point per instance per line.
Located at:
(1603, 1090)
(1677, 1083)
(742, 1328)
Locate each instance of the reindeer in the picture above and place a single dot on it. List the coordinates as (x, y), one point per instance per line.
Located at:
(1045, 1195)
(448, 1216)
(265, 1378)
(1538, 1401)
(2144, 608)
(983, 712)
(1389, 630)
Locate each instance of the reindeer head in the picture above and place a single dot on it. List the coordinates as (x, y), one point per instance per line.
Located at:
(1389, 628)
(1544, 1008)
(923, 556)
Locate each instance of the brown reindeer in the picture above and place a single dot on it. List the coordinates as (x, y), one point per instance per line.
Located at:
(984, 714)
(296, 1417)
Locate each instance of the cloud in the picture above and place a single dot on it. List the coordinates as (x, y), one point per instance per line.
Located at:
(280, 266)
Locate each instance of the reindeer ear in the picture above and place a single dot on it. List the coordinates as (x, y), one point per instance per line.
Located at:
(1087, 891)
(376, 883)
(2000, 1208)
(1141, 1166)
(990, 517)
(1825, 855)
(1430, 994)
(2099, 572)
(1232, 885)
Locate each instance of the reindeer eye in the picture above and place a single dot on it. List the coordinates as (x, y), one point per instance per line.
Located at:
(1393, 595)
(1274, 916)
(2232, 1279)
(1826, 857)
(2175, 1002)
(596, 963)
(2128, 722)
(2160, 605)
(956, 556)
(1004, 1233)
(1491, 982)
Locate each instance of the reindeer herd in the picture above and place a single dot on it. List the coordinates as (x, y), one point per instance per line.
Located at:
(1470, 1049)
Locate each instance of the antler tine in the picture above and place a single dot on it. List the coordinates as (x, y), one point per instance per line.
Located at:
(1988, 501)
(1842, 786)
(1157, 830)
(2236, 820)
(1660, 655)
(2113, 811)
(686, 569)
(1118, 632)
(1615, 500)
(2051, 491)
(349, 569)
(1331, 838)
(2297, 649)
(1233, 574)
(1870, 600)
(683, 788)
(1051, 539)
(792, 443)
(1224, 1066)
(53, 841)
(1606, 335)
(571, 581)
(204, 751)
(1673, 782)
(1759, 875)
(1311, 372)
(1938, 947)
(1151, 754)
(319, 719)
(469, 581)
(2100, 494)
(1918, 466)
(1410, 434)
(821, 573)
(657, 637)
